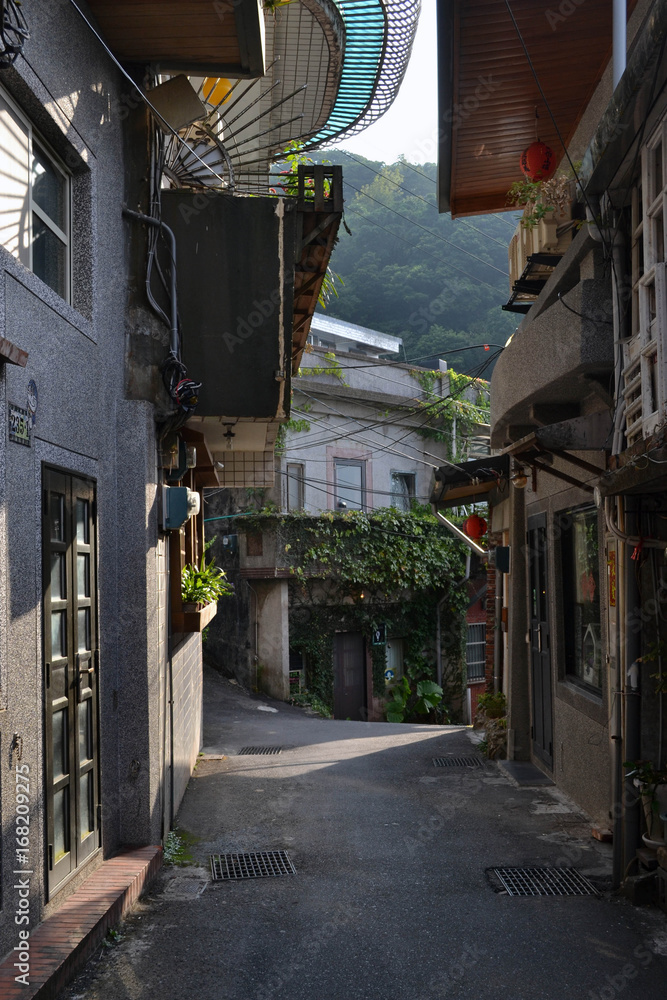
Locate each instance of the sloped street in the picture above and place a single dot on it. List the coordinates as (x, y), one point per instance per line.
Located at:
(390, 897)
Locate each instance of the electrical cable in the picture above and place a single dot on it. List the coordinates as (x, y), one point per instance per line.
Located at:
(553, 119)
(419, 409)
(410, 361)
(415, 246)
(141, 93)
(443, 239)
(430, 204)
(496, 215)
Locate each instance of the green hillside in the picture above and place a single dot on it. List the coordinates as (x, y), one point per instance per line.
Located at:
(434, 286)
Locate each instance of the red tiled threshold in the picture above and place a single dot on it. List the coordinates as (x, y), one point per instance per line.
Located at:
(61, 945)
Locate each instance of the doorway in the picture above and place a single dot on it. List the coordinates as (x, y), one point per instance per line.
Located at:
(71, 663)
(350, 676)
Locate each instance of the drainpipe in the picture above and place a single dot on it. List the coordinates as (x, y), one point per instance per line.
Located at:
(632, 701)
(158, 224)
(497, 645)
(620, 40)
(438, 629)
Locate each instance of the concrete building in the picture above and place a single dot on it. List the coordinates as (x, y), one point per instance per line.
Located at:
(578, 407)
(364, 434)
(145, 308)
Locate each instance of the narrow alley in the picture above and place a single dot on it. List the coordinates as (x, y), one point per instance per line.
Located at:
(390, 898)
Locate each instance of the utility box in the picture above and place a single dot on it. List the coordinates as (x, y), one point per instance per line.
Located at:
(178, 504)
(235, 272)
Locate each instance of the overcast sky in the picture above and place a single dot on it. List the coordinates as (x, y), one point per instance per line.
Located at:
(409, 125)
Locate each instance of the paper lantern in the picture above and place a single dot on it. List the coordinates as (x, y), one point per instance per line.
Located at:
(538, 162)
(475, 527)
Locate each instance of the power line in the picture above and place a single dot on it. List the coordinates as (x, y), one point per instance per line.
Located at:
(415, 246)
(496, 215)
(413, 194)
(430, 232)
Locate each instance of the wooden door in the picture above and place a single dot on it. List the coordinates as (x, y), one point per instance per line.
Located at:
(71, 658)
(350, 676)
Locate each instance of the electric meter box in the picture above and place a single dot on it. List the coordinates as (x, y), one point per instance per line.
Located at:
(178, 504)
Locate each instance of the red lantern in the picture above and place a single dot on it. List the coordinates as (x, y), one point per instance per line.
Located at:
(538, 161)
(475, 527)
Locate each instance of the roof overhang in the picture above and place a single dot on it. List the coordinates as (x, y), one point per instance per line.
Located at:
(225, 38)
(488, 94)
(469, 482)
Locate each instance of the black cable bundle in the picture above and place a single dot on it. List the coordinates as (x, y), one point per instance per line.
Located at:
(183, 390)
(14, 32)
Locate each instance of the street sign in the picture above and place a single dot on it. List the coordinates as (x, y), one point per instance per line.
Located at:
(380, 636)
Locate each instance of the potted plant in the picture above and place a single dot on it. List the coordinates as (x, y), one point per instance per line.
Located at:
(541, 199)
(201, 588)
(652, 784)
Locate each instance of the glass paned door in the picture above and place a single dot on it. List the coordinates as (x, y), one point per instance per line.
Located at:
(70, 673)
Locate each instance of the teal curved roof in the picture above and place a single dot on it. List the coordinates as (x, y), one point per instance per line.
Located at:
(378, 43)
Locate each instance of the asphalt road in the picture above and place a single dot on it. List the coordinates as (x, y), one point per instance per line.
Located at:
(390, 900)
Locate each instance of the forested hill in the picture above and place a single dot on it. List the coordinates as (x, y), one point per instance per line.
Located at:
(413, 282)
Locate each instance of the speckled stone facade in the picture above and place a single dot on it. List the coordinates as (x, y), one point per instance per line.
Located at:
(95, 419)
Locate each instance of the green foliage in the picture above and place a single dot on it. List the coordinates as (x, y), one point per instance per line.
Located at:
(395, 709)
(645, 772)
(443, 411)
(333, 367)
(352, 571)
(204, 583)
(406, 291)
(307, 699)
(290, 425)
(493, 705)
(175, 850)
(538, 198)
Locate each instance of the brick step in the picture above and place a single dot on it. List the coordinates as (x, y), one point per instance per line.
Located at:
(61, 945)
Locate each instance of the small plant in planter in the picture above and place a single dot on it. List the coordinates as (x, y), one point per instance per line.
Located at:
(203, 584)
(539, 198)
(652, 784)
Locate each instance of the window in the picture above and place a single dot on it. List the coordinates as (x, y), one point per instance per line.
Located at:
(295, 485)
(402, 489)
(350, 484)
(581, 596)
(476, 652)
(34, 202)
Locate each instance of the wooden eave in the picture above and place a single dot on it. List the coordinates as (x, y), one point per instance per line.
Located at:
(223, 39)
(488, 93)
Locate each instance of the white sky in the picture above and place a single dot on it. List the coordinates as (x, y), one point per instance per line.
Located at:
(410, 124)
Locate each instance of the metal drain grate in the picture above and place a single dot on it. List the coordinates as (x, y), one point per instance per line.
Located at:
(458, 761)
(255, 865)
(256, 751)
(540, 882)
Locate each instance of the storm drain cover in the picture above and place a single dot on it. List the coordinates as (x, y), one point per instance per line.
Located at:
(457, 761)
(255, 751)
(261, 864)
(184, 889)
(540, 882)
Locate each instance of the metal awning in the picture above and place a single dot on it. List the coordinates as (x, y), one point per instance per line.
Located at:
(469, 482)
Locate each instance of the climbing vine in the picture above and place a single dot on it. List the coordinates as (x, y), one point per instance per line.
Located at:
(355, 571)
(454, 417)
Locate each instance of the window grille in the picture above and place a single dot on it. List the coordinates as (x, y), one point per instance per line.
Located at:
(476, 652)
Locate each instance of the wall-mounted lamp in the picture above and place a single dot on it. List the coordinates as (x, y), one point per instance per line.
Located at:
(519, 479)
